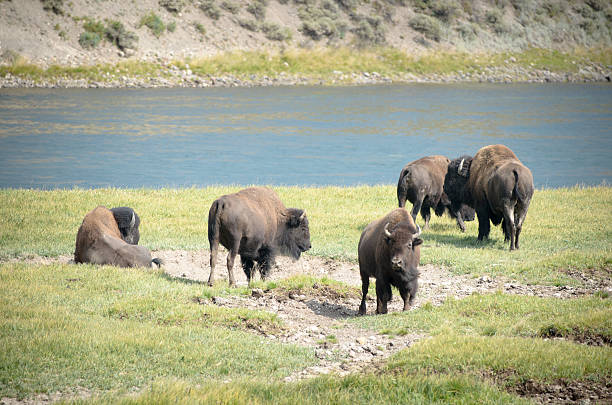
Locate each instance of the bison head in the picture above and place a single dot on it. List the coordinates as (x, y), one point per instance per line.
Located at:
(296, 236)
(128, 223)
(455, 181)
(404, 246)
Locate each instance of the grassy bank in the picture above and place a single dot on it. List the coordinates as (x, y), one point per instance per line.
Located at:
(138, 336)
(329, 65)
(566, 229)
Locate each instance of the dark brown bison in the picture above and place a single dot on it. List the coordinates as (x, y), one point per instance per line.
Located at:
(99, 241)
(421, 182)
(497, 185)
(255, 224)
(389, 250)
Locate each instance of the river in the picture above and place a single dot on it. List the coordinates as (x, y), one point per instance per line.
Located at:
(307, 136)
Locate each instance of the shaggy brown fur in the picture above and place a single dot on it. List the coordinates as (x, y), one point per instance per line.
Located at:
(99, 241)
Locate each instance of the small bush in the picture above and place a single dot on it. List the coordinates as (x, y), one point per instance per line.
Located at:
(173, 6)
(210, 9)
(426, 25)
(56, 6)
(467, 31)
(171, 26)
(320, 22)
(200, 28)
(274, 32)
(445, 10)
(94, 26)
(250, 25)
(118, 35)
(89, 40)
(258, 9)
(230, 6)
(597, 5)
(154, 23)
(370, 31)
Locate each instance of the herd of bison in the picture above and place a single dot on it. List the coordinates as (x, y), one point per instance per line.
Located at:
(493, 185)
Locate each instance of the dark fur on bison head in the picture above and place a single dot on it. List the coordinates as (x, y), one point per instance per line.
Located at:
(128, 223)
(295, 238)
(456, 180)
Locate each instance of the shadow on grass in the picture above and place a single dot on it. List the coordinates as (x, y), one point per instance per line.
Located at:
(182, 280)
(331, 310)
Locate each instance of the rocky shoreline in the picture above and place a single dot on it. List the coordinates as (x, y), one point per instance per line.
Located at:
(172, 76)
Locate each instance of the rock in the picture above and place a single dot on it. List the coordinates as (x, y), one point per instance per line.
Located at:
(257, 293)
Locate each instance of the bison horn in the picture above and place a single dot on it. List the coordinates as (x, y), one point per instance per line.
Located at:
(302, 216)
(133, 221)
(418, 232)
(460, 167)
(387, 230)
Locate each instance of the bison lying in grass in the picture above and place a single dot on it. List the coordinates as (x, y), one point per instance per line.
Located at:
(497, 185)
(255, 224)
(389, 250)
(99, 240)
(421, 182)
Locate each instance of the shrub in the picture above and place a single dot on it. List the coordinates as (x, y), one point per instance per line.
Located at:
(94, 26)
(154, 23)
(118, 35)
(384, 10)
(467, 31)
(56, 6)
(426, 25)
(258, 9)
(200, 28)
(210, 9)
(89, 40)
(171, 26)
(597, 5)
(173, 6)
(250, 25)
(370, 31)
(445, 10)
(275, 33)
(230, 6)
(320, 22)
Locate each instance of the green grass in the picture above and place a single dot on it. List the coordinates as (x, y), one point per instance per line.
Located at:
(113, 332)
(105, 328)
(504, 315)
(323, 63)
(553, 241)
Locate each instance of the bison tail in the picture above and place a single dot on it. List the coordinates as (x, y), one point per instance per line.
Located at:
(158, 262)
(516, 190)
(213, 222)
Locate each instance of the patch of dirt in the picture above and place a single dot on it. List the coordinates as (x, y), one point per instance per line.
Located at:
(565, 391)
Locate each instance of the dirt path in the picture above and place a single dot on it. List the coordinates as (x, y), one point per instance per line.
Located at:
(318, 319)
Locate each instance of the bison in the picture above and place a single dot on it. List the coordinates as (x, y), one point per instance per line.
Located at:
(255, 224)
(99, 240)
(389, 250)
(421, 182)
(497, 185)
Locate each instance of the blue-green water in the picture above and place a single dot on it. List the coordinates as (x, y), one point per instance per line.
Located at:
(62, 138)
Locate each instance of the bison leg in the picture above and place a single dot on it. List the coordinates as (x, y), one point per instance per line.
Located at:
(383, 295)
(214, 250)
(418, 202)
(247, 266)
(231, 256)
(460, 222)
(484, 227)
(365, 285)
(426, 214)
(508, 223)
(265, 262)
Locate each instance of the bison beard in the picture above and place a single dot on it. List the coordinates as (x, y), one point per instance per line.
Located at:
(255, 224)
(389, 251)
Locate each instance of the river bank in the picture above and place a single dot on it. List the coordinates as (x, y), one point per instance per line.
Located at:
(324, 67)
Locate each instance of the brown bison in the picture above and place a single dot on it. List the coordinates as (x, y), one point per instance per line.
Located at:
(497, 185)
(255, 224)
(421, 182)
(99, 241)
(389, 250)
